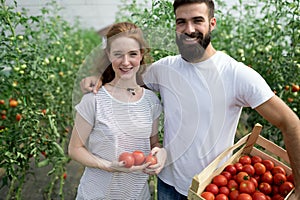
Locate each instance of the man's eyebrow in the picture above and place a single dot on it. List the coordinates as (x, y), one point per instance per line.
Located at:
(194, 18)
(198, 17)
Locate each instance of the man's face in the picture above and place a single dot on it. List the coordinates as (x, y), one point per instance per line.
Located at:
(193, 30)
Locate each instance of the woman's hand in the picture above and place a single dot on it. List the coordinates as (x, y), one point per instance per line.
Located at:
(161, 156)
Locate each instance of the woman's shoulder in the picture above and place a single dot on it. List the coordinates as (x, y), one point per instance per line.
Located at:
(89, 96)
(150, 94)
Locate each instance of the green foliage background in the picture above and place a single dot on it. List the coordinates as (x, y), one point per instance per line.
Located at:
(40, 57)
(263, 34)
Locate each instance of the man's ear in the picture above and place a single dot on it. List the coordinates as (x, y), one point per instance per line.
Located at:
(213, 23)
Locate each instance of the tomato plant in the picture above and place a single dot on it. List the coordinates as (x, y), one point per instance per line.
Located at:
(40, 57)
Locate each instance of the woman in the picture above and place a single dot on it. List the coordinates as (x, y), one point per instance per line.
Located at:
(121, 117)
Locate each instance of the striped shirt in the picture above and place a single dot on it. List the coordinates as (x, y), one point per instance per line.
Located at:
(117, 127)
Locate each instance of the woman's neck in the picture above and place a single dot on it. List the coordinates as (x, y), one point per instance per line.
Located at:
(124, 83)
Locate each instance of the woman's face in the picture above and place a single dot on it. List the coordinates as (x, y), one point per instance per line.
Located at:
(125, 56)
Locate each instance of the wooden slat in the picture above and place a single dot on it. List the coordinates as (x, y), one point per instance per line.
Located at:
(252, 138)
(273, 148)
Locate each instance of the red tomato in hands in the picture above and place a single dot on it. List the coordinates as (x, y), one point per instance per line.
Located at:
(139, 157)
(152, 159)
(220, 180)
(127, 158)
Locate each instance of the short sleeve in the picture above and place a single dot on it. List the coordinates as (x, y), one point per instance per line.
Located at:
(87, 108)
(253, 90)
(156, 107)
(149, 78)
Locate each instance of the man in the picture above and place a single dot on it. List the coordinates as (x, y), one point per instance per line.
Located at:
(203, 93)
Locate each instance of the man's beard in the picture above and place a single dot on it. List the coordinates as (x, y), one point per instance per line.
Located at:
(193, 52)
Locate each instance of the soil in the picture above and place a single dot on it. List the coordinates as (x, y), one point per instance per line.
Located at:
(36, 183)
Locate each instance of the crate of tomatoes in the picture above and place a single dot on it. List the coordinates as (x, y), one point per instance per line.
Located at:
(258, 170)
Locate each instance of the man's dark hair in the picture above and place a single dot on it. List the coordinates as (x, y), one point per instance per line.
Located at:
(210, 4)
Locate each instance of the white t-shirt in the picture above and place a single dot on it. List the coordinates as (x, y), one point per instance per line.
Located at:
(117, 127)
(202, 106)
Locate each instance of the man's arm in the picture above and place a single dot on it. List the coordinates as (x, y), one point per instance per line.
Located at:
(281, 116)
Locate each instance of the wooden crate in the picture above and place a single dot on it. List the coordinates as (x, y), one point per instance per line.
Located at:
(244, 146)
